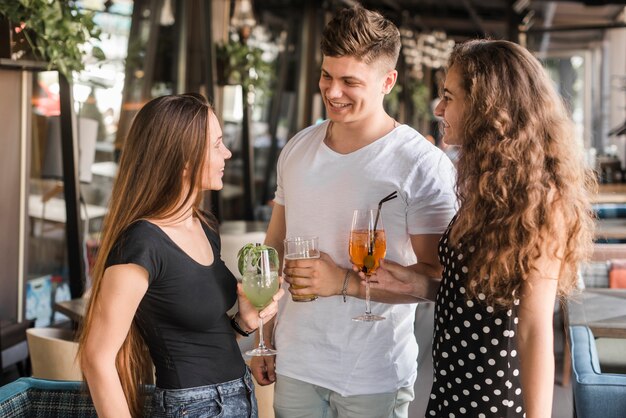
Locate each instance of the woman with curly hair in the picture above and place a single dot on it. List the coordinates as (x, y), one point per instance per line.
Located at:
(160, 289)
(523, 225)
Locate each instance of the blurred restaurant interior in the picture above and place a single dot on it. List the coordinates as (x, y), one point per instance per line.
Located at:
(258, 61)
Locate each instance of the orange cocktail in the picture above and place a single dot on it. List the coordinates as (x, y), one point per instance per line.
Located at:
(367, 248)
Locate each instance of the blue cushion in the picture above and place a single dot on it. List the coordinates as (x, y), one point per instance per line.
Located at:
(28, 397)
(596, 394)
(610, 210)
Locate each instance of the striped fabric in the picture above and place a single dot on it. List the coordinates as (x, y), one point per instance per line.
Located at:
(595, 273)
(29, 397)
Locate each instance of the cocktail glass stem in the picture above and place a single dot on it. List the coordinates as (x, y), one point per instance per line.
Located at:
(368, 309)
(262, 349)
(261, 339)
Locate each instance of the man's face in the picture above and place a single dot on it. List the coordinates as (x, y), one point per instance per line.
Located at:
(352, 90)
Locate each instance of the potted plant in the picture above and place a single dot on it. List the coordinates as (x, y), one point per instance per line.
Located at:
(53, 31)
(240, 63)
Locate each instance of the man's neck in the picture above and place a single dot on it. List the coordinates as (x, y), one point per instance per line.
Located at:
(347, 137)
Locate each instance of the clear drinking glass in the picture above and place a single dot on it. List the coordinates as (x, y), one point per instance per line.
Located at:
(367, 247)
(260, 283)
(301, 248)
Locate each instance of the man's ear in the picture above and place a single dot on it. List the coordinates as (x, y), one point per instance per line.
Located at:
(389, 81)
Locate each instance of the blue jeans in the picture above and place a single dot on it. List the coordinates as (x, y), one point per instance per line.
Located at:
(234, 399)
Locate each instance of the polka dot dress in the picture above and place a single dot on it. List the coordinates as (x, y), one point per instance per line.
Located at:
(476, 363)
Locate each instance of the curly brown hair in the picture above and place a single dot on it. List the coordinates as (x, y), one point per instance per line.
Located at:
(363, 34)
(522, 185)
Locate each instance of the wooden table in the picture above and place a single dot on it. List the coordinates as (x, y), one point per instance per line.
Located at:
(54, 209)
(610, 229)
(242, 227)
(610, 193)
(74, 309)
(602, 310)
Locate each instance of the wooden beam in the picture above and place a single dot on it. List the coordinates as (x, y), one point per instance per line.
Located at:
(476, 18)
(69, 152)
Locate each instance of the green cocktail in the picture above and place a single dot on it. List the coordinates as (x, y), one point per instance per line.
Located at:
(258, 265)
(259, 289)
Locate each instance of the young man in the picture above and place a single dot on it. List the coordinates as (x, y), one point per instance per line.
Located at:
(328, 365)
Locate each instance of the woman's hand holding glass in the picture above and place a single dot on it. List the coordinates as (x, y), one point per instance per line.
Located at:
(250, 315)
(392, 277)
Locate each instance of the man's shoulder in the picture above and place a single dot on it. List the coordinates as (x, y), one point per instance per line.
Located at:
(310, 131)
(414, 142)
(305, 136)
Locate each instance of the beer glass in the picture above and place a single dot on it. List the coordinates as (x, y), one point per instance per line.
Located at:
(301, 248)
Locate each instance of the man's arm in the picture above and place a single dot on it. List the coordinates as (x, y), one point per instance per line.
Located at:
(277, 230)
(263, 368)
(425, 248)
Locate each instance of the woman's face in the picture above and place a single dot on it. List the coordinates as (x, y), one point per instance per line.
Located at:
(217, 156)
(451, 108)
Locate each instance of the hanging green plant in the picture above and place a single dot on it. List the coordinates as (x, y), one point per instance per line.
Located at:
(419, 95)
(56, 31)
(239, 63)
(392, 101)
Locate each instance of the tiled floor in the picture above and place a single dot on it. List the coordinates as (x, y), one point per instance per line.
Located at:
(563, 402)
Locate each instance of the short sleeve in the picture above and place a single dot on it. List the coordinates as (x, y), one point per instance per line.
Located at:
(137, 245)
(279, 196)
(433, 200)
(303, 135)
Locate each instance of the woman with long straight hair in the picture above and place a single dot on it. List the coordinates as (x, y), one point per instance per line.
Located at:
(160, 289)
(523, 225)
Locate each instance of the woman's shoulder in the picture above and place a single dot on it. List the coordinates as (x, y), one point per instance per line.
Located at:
(140, 229)
(141, 234)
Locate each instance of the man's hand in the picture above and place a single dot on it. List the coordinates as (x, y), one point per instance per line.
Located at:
(317, 276)
(263, 368)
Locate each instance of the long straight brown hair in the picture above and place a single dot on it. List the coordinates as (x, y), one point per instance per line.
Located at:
(167, 136)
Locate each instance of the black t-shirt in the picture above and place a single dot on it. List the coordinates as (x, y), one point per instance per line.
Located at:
(182, 317)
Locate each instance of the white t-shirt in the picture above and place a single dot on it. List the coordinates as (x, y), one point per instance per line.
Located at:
(317, 341)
